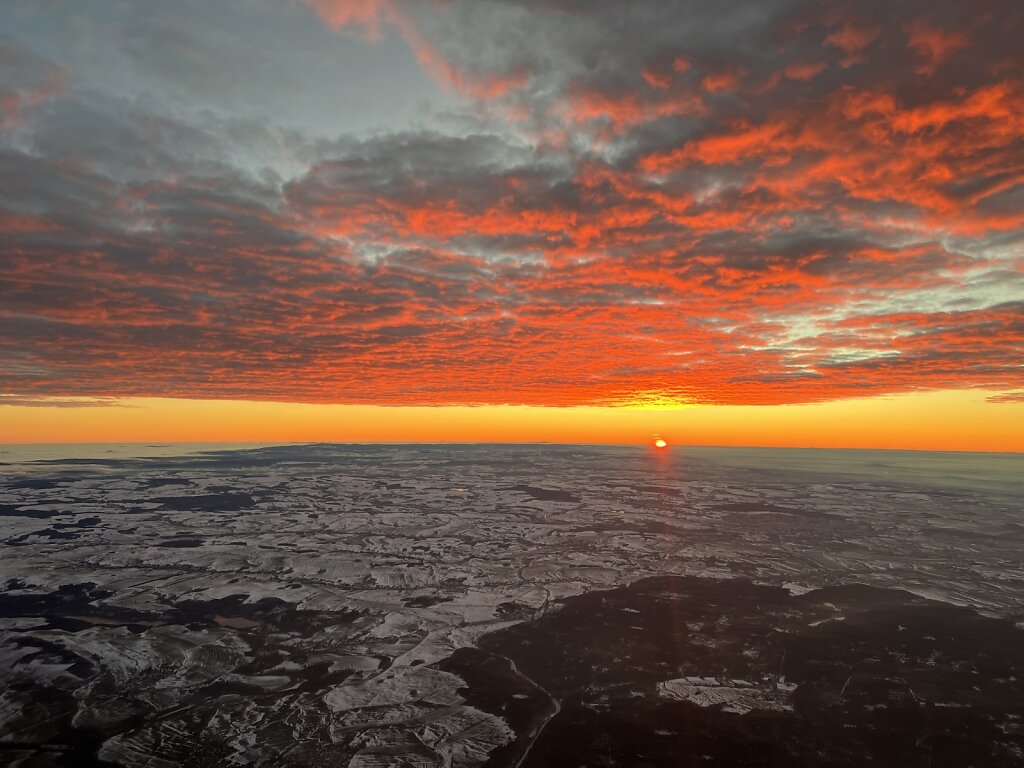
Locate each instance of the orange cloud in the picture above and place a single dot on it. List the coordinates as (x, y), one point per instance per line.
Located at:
(657, 79)
(721, 81)
(853, 41)
(804, 71)
(372, 15)
(935, 45)
(368, 14)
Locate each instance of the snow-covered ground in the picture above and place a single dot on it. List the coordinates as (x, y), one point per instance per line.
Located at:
(356, 568)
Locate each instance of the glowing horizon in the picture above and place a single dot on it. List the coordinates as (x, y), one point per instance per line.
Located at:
(934, 421)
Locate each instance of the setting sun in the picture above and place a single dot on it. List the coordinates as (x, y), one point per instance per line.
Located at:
(660, 443)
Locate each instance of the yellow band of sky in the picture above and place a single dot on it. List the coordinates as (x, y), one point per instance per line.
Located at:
(947, 420)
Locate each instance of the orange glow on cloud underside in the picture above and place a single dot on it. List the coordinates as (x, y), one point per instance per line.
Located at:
(831, 210)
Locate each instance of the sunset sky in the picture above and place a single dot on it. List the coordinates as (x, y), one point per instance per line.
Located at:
(761, 222)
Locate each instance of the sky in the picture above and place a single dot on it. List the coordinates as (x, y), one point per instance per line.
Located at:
(770, 222)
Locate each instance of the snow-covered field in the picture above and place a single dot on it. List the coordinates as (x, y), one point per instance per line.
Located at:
(286, 605)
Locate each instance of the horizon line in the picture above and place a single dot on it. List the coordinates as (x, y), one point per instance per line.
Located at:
(637, 444)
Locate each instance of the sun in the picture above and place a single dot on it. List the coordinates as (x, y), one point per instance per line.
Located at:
(660, 443)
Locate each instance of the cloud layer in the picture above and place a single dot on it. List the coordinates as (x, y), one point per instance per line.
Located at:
(608, 203)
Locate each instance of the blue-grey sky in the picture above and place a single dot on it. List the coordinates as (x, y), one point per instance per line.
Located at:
(271, 62)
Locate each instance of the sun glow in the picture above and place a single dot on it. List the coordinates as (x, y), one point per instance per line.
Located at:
(949, 421)
(660, 443)
(654, 401)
